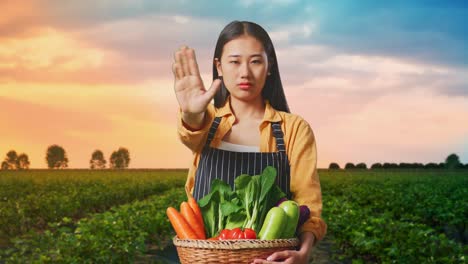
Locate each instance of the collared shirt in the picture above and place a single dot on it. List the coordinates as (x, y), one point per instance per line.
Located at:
(300, 148)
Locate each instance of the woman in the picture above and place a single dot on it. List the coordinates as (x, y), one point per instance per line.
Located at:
(249, 126)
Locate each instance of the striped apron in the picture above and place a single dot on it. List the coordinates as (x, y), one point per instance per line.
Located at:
(227, 165)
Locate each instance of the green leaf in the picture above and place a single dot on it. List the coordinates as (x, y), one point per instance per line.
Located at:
(227, 208)
(267, 179)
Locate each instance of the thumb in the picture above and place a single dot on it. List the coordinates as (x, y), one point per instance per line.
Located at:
(213, 88)
(281, 255)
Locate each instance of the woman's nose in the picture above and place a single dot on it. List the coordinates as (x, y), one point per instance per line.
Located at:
(244, 70)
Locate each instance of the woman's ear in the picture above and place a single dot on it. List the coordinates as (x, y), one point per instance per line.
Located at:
(217, 63)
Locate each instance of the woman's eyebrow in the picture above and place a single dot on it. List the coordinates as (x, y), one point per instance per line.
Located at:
(253, 55)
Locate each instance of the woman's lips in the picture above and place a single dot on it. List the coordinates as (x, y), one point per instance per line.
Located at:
(245, 86)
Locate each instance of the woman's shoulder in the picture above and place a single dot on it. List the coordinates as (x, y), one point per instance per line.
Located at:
(293, 120)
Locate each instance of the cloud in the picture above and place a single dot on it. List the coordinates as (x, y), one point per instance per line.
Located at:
(124, 51)
(429, 32)
(402, 127)
(321, 68)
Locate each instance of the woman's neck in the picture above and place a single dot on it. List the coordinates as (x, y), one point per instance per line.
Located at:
(244, 110)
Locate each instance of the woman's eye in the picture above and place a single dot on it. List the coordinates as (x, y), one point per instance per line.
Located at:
(235, 62)
(256, 61)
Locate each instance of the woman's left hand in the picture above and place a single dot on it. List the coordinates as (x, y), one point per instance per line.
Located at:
(287, 256)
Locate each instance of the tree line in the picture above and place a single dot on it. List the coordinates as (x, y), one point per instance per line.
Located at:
(56, 158)
(451, 162)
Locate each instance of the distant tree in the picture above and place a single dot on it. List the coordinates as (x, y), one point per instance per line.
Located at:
(361, 166)
(376, 166)
(387, 165)
(11, 160)
(452, 161)
(56, 157)
(120, 159)
(23, 162)
(404, 165)
(97, 160)
(334, 166)
(431, 165)
(349, 165)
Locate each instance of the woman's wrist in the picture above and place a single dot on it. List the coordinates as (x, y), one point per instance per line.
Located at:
(307, 243)
(193, 121)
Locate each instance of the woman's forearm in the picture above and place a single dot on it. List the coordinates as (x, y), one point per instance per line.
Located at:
(307, 243)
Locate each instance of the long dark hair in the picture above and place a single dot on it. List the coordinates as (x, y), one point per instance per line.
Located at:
(273, 89)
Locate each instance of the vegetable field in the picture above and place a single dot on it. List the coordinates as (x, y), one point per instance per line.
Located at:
(112, 216)
(398, 216)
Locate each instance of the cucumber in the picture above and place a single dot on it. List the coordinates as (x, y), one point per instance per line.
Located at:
(291, 208)
(273, 225)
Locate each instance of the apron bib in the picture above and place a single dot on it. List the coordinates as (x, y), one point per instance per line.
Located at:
(227, 165)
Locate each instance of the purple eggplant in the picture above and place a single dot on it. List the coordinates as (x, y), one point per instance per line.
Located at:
(304, 214)
(281, 201)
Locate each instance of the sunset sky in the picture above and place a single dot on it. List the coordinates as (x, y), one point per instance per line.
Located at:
(377, 81)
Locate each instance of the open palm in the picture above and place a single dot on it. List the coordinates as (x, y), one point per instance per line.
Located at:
(190, 91)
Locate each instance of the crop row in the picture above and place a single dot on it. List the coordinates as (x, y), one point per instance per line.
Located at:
(31, 200)
(115, 236)
(397, 218)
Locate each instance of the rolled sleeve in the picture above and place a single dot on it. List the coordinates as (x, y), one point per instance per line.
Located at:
(195, 139)
(305, 182)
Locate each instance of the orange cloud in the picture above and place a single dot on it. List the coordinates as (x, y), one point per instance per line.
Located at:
(49, 55)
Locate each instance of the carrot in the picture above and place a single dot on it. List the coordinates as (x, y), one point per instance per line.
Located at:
(196, 209)
(191, 218)
(182, 228)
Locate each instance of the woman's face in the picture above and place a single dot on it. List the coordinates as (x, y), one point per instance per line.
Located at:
(244, 67)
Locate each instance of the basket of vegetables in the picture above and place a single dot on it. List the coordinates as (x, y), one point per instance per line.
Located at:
(237, 226)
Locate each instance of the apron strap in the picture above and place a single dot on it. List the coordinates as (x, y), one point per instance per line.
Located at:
(278, 134)
(212, 131)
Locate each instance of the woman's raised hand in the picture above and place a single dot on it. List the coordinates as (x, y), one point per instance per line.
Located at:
(191, 94)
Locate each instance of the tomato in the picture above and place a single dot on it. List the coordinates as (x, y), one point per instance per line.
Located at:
(237, 233)
(249, 233)
(224, 234)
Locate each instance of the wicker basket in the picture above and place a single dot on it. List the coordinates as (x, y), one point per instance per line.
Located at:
(229, 251)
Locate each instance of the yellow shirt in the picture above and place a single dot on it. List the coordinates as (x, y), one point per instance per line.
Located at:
(300, 148)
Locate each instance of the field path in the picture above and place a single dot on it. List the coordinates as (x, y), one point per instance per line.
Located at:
(321, 254)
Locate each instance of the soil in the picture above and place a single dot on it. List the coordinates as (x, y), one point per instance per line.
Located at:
(322, 253)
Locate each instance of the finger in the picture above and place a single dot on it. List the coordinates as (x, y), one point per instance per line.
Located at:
(176, 57)
(179, 62)
(279, 255)
(178, 74)
(192, 63)
(213, 89)
(184, 61)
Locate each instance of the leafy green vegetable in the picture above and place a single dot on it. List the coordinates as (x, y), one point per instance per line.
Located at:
(245, 207)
